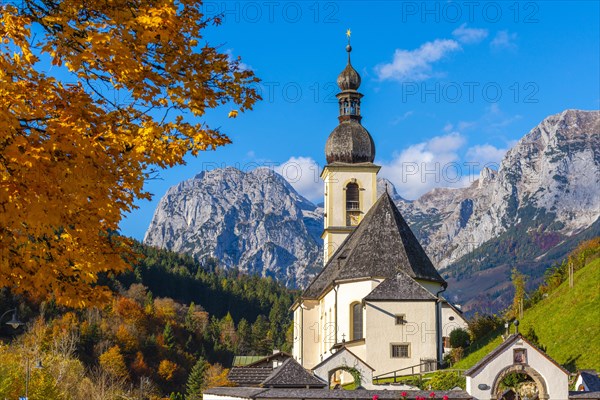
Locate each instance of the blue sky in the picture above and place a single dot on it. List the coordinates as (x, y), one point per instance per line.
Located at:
(448, 86)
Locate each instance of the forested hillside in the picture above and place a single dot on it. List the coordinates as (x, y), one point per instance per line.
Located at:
(170, 314)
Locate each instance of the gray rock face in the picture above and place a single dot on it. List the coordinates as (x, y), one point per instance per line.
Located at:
(552, 173)
(254, 221)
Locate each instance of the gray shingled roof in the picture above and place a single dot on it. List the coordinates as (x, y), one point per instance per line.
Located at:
(288, 374)
(292, 374)
(244, 392)
(381, 246)
(401, 287)
(316, 394)
(350, 143)
(249, 376)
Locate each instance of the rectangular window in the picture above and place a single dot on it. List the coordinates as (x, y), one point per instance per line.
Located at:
(400, 319)
(400, 350)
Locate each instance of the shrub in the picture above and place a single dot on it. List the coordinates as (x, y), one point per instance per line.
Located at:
(446, 381)
(459, 338)
(481, 325)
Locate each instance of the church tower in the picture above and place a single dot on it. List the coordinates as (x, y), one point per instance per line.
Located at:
(350, 176)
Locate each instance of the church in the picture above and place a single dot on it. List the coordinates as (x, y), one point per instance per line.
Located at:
(379, 295)
(377, 309)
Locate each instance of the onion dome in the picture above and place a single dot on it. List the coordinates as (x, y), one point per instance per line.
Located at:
(351, 143)
(349, 79)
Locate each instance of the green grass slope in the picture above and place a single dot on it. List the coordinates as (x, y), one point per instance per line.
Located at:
(567, 322)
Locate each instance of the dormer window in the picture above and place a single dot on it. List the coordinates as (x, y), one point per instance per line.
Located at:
(352, 204)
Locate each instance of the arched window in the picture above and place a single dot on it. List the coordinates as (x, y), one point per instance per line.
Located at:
(352, 204)
(356, 321)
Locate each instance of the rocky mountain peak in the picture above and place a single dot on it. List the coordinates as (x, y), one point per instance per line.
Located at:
(252, 220)
(546, 190)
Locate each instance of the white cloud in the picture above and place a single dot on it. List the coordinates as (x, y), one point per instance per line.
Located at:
(427, 165)
(231, 58)
(402, 117)
(485, 155)
(416, 64)
(303, 173)
(504, 40)
(469, 35)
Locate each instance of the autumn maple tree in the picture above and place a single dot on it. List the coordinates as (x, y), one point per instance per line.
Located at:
(94, 97)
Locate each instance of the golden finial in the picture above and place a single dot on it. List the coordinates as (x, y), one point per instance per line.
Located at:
(348, 47)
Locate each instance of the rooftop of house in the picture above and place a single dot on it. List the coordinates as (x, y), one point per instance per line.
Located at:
(276, 371)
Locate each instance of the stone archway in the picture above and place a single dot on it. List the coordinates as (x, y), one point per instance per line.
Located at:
(521, 369)
(517, 355)
(344, 359)
(353, 372)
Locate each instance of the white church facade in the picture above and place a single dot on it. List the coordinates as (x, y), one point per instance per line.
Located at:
(377, 307)
(379, 294)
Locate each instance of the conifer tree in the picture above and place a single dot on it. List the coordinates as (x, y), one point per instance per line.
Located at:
(196, 380)
(168, 336)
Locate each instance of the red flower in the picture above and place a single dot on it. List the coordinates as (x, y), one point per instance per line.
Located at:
(445, 397)
(375, 397)
(432, 395)
(404, 394)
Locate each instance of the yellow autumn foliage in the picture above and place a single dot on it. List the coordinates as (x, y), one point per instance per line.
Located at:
(113, 363)
(167, 369)
(95, 97)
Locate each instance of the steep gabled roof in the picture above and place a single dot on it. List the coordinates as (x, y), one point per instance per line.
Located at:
(401, 287)
(342, 350)
(503, 346)
(292, 374)
(381, 246)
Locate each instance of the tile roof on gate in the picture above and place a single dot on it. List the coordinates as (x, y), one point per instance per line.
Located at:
(503, 346)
